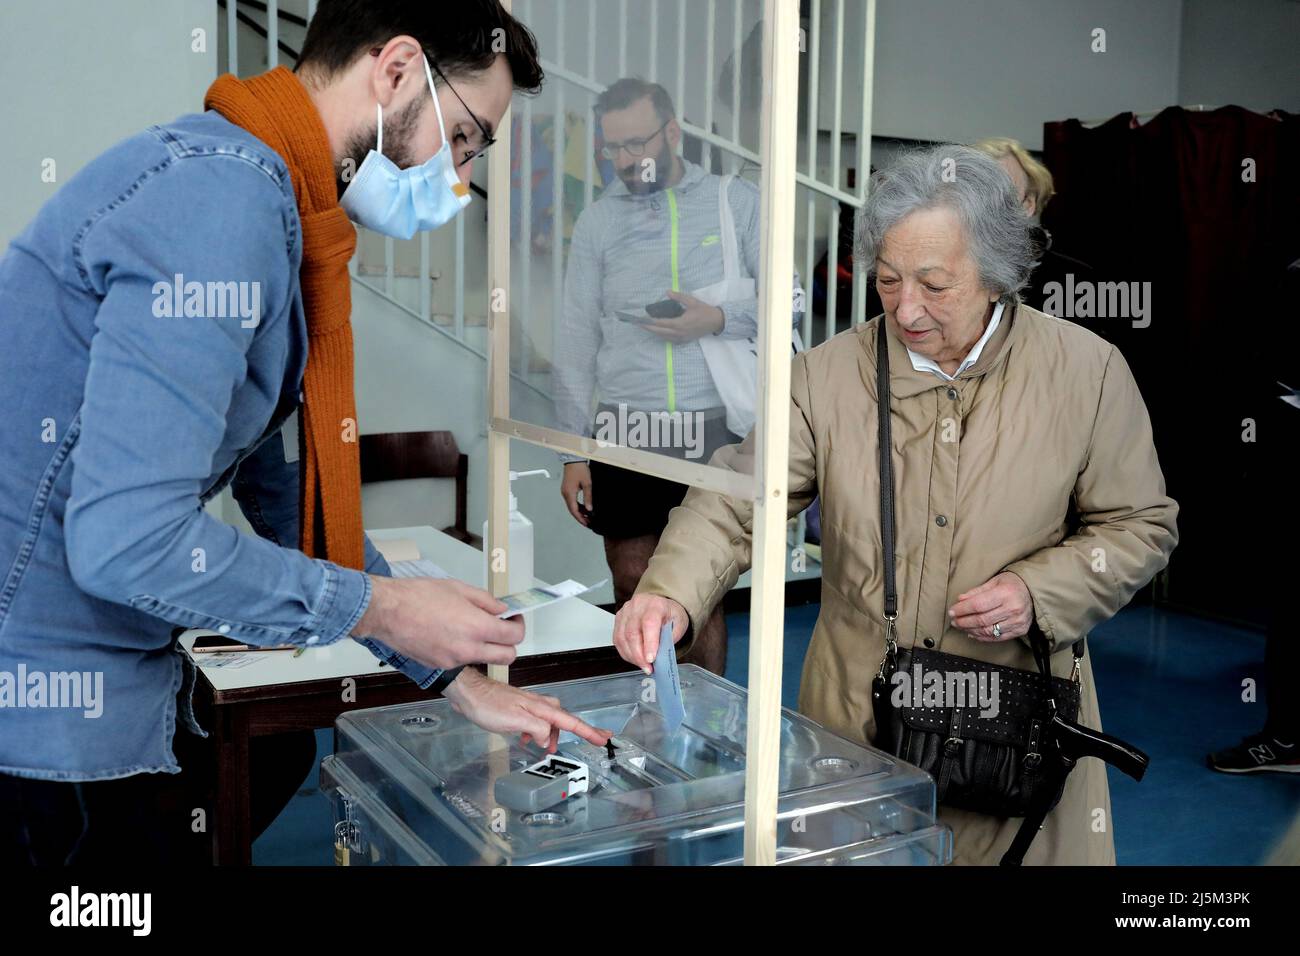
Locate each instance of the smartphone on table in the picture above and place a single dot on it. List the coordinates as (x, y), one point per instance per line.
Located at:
(216, 644)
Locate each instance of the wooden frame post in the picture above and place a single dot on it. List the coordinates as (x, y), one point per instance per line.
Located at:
(781, 46)
(497, 545)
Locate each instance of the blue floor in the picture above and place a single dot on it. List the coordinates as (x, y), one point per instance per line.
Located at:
(1169, 683)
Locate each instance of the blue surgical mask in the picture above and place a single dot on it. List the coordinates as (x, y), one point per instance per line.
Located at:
(401, 202)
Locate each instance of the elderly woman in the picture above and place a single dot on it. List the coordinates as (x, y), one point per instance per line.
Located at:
(1003, 418)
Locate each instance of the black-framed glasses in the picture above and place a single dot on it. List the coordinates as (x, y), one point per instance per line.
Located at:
(478, 145)
(478, 142)
(634, 147)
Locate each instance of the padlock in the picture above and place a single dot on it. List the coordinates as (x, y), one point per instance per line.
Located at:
(345, 841)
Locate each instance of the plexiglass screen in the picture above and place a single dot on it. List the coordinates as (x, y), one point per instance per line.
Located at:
(636, 225)
(635, 239)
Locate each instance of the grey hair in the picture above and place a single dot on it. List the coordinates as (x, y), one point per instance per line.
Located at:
(974, 186)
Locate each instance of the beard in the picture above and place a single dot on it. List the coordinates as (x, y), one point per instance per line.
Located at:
(631, 175)
(399, 131)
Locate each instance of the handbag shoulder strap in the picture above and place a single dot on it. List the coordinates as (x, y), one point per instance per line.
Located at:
(886, 443)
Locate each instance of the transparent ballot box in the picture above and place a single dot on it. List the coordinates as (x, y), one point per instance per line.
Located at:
(417, 784)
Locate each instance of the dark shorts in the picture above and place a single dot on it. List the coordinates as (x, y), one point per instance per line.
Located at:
(630, 504)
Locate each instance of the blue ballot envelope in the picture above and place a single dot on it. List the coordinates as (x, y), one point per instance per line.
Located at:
(668, 686)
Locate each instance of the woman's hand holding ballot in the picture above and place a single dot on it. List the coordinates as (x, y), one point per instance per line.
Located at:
(637, 627)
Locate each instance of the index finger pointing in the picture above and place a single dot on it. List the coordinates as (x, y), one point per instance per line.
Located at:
(564, 720)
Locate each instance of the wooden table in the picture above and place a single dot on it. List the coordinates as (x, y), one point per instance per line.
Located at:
(281, 692)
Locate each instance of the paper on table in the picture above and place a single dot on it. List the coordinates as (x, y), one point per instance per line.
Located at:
(232, 659)
(668, 686)
(422, 568)
(540, 597)
(398, 549)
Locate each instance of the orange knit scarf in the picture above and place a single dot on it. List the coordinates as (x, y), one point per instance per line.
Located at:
(276, 109)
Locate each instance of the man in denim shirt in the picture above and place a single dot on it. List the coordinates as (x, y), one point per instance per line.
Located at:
(129, 405)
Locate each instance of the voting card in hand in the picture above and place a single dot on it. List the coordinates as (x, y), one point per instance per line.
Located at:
(668, 687)
(540, 597)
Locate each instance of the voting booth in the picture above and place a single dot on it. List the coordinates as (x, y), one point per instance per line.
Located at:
(418, 784)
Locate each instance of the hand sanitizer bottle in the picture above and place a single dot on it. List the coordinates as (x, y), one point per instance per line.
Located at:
(519, 570)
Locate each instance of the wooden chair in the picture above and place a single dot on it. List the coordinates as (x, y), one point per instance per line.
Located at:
(398, 456)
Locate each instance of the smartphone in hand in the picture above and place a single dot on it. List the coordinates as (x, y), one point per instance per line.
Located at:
(654, 312)
(665, 309)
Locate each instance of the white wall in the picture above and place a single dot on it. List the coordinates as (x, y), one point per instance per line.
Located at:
(1241, 52)
(80, 75)
(961, 71)
(944, 69)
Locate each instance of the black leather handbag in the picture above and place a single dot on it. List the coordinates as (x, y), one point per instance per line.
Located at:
(987, 763)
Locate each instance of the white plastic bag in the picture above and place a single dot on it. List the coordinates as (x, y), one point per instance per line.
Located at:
(733, 363)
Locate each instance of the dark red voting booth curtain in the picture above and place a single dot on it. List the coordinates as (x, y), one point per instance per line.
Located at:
(1204, 206)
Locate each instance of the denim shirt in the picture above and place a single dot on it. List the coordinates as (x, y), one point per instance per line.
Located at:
(123, 415)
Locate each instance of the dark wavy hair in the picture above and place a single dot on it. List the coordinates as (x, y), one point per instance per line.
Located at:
(463, 37)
